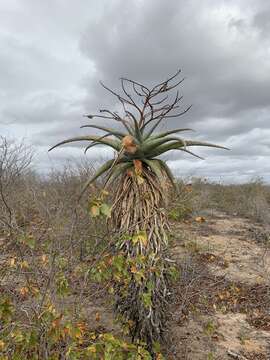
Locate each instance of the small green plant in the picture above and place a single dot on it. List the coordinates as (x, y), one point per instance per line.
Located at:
(98, 207)
(210, 356)
(194, 247)
(180, 212)
(243, 335)
(107, 346)
(52, 335)
(209, 328)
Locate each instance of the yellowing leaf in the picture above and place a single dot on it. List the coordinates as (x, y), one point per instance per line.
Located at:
(111, 290)
(24, 291)
(104, 192)
(51, 309)
(44, 259)
(94, 211)
(2, 345)
(221, 296)
(17, 335)
(24, 265)
(125, 346)
(97, 316)
(92, 349)
(140, 179)
(77, 333)
(133, 269)
(12, 262)
(140, 237)
(200, 219)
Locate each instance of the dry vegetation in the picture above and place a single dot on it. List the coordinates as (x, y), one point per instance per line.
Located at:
(53, 306)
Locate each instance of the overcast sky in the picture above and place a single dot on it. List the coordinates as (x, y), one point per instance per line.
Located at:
(54, 52)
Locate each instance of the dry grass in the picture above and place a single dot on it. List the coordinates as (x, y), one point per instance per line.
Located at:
(250, 200)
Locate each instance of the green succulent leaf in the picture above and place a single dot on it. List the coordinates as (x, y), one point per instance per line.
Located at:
(118, 134)
(154, 165)
(116, 145)
(91, 146)
(151, 145)
(135, 128)
(178, 145)
(160, 135)
(150, 132)
(191, 153)
(105, 167)
(98, 142)
(119, 169)
(202, 143)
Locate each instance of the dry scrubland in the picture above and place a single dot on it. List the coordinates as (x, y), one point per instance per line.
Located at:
(52, 305)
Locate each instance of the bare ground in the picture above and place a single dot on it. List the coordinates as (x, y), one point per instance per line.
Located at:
(221, 308)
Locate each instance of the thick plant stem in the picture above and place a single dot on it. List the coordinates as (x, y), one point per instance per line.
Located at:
(139, 206)
(139, 216)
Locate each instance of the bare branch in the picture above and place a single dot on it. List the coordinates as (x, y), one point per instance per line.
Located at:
(98, 116)
(154, 107)
(160, 101)
(163, 85)
(179, 114)
(144, 89)
(132, 102)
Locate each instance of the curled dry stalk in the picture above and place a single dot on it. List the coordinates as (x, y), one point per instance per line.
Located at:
(137, 211)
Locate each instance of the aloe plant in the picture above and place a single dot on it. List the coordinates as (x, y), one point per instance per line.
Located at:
(141, 181)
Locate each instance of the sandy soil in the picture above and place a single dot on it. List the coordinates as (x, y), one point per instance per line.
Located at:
(222, 310)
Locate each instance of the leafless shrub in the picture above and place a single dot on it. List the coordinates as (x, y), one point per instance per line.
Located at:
(15, 160)
(250, 200)
(45, 235)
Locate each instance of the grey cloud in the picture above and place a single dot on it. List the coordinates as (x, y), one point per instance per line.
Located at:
(228, 80)
(222, 48)
(262, 21)
(223, 76)
(26, 68)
